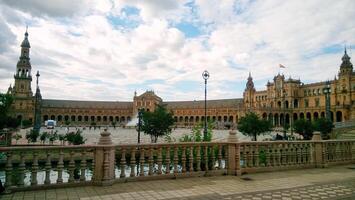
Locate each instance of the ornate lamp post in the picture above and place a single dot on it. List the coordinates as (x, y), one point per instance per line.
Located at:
(139, 124)
(327, 91)
(38, 97)
(205, 76)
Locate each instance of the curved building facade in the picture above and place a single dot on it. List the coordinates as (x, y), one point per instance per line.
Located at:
(283, 101)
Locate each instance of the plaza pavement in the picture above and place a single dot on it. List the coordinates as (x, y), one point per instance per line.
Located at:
(328, 183)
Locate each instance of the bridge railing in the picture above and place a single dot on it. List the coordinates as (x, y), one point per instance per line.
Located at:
(28, 168)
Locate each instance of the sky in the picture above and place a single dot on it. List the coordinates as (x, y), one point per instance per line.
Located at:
(107, 49)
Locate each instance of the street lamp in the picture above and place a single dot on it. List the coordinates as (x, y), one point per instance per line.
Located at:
(205, 75)
(139, 124)
(327, 91)
(37, 118)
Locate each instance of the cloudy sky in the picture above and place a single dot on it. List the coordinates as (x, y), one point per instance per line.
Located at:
(107, 49)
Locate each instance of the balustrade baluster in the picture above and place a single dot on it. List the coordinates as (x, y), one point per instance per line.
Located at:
(141, 162)
(191, 159)
(123, 162)
(176, 160)
(83, 165)
(274, 155)
(151, 160)
(71, 167)
(22, 168)
(106, 165)
(298, 153)
(219, 156)
(48, 167)
(198, 158)
(8, 169)
(279, 155)
(213, 160)
(256, 155)
(133, 161)
(206, 158)
(268, 152)
(226, 157)
(160, 160)
(60, 167)
(34, 169)
(167, 160)
(183, 159)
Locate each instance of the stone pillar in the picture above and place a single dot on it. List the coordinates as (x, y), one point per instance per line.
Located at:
(104, 170)
(233, 154)
(317, 150)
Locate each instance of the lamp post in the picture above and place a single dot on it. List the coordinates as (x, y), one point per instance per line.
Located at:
(205, 76)
(37, 118)
(327, 91)
(139, 124)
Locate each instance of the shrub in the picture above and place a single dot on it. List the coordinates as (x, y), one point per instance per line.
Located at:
(32, 136)
(26, 123)
(43, 137)
(75, 138)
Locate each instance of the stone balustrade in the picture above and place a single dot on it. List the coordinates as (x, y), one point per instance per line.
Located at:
(106, 163)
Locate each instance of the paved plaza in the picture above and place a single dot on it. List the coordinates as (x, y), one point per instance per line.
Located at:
(329, 183)
(129, 135)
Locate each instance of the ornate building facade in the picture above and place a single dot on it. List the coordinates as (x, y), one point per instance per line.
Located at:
(283, 101)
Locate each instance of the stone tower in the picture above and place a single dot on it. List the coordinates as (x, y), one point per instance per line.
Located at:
(21, 91)
(249, 93)
(23, 76)
(343, 88)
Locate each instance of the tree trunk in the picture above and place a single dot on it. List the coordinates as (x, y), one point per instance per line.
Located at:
(254, 136)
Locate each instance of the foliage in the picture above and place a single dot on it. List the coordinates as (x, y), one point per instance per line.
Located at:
(304, 128)
(26, 123)
(43, 137)
(324, 126)
(75, 138)
(157, 123)
(17, 137)
(62, 138)
(32, 136)
(197, 133)
(53, 137)
(7, 121)
(114, 124)
(67, 122)
(252, 126)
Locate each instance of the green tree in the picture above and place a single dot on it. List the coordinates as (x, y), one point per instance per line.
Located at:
(252, 126)
(304, 128)
(157, 123)
(324, 126)
(7, 121)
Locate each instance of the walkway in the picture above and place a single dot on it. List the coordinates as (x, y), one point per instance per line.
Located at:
(329, 183)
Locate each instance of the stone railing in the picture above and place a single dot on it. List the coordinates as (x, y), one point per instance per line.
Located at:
(28, 168)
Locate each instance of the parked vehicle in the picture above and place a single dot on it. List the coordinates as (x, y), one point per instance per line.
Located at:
(50, 124)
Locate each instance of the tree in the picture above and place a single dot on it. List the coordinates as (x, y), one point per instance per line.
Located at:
(5, 105)
(304, 128)
(252, 126)
(157, 123)
(324, 126)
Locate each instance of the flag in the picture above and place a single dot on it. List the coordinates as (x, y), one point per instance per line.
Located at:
(281, 66)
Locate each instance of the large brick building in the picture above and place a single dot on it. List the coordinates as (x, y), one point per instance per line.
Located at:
(283, 101)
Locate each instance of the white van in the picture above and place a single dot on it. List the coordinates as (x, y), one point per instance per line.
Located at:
(50, 124)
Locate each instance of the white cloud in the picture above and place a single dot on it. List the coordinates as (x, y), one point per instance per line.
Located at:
(82, 55)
